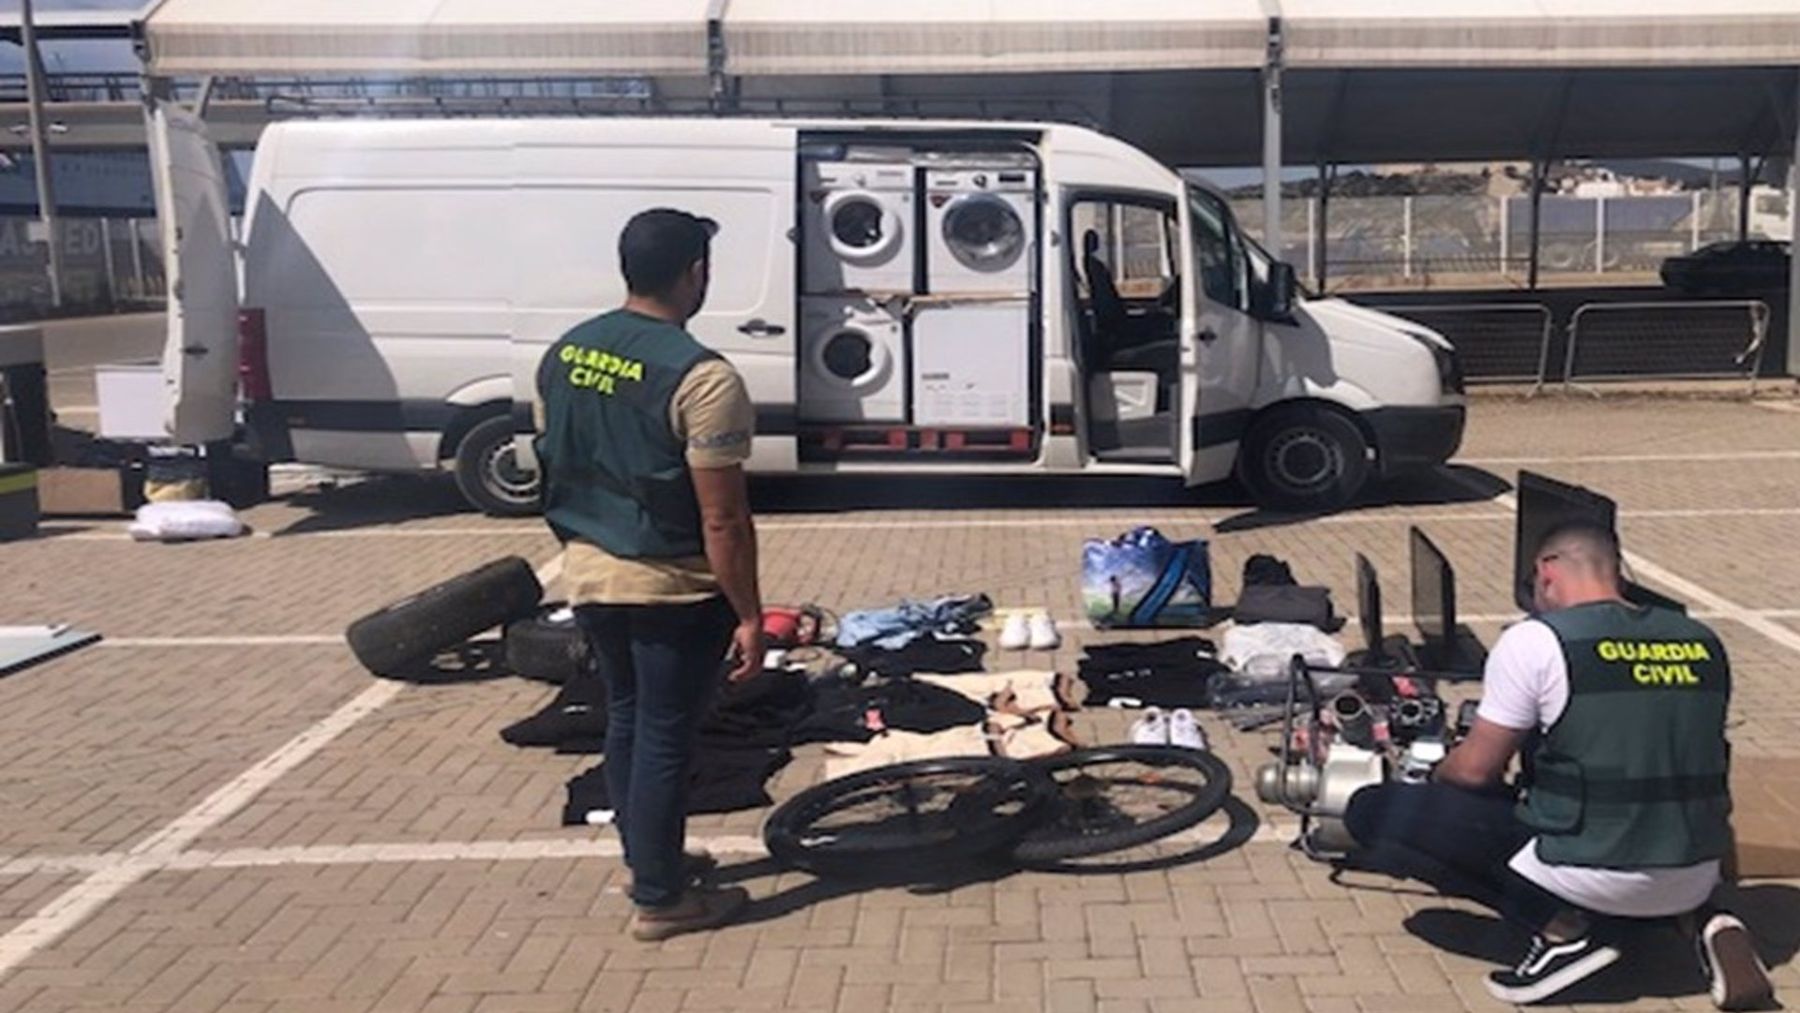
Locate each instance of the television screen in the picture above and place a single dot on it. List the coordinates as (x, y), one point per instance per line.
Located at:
(1543, 504)
(1368, 604)
(1433, 591)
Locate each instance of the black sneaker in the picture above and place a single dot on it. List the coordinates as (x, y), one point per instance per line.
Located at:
(1549, 967)
(1736, 974)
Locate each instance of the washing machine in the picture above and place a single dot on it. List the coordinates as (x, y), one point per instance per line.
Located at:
(981, 226)
(859, 227)
(852, 361)
(971, 364)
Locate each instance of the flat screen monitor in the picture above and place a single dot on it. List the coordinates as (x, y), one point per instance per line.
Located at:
(1368, 605)
(1433, 591)
(1543, 504)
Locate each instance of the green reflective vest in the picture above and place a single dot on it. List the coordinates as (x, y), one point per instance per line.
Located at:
(1633, 774)
(615, 472)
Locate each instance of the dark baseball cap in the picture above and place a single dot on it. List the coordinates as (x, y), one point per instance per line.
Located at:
(658, 244)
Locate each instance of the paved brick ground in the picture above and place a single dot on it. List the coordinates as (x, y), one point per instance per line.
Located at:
(363, 875)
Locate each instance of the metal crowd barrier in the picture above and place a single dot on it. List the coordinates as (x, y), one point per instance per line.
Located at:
(1498, 342)
(1666, 341)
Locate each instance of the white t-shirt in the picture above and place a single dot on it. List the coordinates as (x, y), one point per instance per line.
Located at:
(1525, 686)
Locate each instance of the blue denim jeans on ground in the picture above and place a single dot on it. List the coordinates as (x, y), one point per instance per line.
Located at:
(662, 664)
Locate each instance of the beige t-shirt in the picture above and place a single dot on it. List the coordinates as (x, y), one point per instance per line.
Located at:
(712, 413)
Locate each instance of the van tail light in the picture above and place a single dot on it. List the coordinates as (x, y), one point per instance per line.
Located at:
(253, 357)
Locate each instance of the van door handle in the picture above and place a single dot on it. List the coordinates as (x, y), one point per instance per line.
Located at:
(761, 328)
(195, 350)
(1208, 336)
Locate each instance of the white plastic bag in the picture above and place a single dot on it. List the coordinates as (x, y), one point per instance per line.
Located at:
(183, 520)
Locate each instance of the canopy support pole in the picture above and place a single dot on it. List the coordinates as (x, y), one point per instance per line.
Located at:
(1272, 142)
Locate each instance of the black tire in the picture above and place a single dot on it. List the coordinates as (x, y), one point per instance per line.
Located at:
(546, 646)
(489, 475)
(1090, 815)
(1304, 458)
(921, 817)
(402, 638)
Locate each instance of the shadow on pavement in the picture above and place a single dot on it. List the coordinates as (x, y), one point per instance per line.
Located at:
(1444, 486)
(1658, 962)
(388, 499)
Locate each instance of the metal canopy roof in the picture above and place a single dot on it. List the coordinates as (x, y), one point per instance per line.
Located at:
(197, 37)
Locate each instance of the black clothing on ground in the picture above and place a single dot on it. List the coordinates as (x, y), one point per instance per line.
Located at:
(1173, 673)
(1288, 603)
(719, 781)
(1457, 840)
(577, 713)
(849, 713)
(1263, 570)
(927, 654)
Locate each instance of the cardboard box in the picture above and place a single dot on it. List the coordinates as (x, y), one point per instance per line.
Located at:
(1765, 798)
(90, 492)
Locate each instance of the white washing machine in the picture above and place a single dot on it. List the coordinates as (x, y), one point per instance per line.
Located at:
(981, 228)
(972, 364)
(852, 361)
(859, 227)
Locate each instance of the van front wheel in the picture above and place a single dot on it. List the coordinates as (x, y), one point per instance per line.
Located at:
(1304, 458)
(489, 474)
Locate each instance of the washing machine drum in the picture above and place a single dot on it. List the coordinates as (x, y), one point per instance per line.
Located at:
(984, 232)
(861, 226)
(851, 358)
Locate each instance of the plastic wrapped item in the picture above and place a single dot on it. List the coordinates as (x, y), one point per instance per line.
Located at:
(1261, 685)
(1142, 579)
(1271, 646)
(185, 520)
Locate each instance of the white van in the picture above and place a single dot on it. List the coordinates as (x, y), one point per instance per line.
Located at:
(941, 297)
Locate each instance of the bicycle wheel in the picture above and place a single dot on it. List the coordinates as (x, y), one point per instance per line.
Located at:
(1118, 797)
(924, 814)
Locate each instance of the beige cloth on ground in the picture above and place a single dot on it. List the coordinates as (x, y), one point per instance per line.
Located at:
(846, 758)
(1035, 691)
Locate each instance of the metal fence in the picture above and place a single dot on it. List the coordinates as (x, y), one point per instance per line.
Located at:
(1498, 342)
(1427, 241)
(1666, 340)
(106, 262)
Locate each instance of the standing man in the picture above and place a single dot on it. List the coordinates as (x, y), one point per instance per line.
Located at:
(645, 433)
(1625, 815)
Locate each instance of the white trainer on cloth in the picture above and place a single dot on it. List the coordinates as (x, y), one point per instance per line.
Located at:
(1152, 729)
(1043, 633)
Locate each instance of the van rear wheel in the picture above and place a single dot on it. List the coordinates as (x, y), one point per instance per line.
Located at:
(1304, 458)
(489, 473)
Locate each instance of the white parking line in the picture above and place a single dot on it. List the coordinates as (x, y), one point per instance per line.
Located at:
(1741, 455)
(71, 907)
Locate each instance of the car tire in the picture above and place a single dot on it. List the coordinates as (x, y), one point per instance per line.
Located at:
(488, 473)
(547, 646)
(401, 639)
(1304, 458)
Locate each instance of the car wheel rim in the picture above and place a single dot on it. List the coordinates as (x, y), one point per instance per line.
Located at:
(501, 473)
(1305, 460)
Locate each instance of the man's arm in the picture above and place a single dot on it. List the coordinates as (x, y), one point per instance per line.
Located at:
(1480, 760)
(730, 535)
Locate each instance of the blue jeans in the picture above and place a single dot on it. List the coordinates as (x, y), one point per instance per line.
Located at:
(662, 665)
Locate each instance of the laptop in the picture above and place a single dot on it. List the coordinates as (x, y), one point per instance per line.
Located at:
(1543, 504)
(1378, 651)
(1445, 645)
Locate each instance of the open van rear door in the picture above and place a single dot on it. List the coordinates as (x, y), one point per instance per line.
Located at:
(199, 361)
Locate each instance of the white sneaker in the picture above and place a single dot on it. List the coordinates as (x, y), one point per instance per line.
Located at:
(1184, 730)
(1016, 634)
(1043, 633)
(1152, 729)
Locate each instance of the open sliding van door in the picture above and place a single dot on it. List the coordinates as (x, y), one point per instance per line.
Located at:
(199, 360)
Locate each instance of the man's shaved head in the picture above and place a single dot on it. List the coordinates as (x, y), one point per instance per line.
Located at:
(1577, 562)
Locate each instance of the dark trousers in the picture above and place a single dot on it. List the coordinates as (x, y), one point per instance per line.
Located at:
(662, 665)
(1457, 840)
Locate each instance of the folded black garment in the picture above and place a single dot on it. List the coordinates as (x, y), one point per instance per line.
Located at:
(927, 654)
(1172, 673)
(760, 712)
(1262, 570)
(577, 713)
(1272, 603)
(845, 712)
(719, 781)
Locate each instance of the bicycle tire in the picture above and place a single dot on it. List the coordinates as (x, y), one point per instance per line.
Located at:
(1071, 830)
(1014, 795)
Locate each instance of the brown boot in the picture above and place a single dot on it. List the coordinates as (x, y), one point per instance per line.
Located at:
(699, 909)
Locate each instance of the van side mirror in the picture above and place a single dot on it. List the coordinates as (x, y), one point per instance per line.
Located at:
(1275, 298)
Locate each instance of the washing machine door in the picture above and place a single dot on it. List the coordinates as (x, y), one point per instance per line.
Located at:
(853, 360)
(984, 232)
(861, 227)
